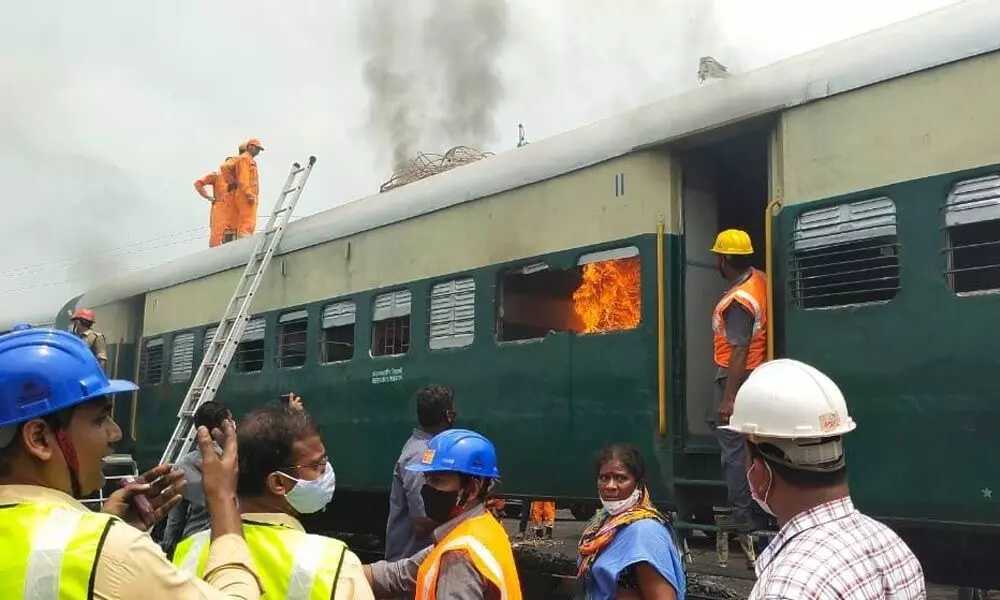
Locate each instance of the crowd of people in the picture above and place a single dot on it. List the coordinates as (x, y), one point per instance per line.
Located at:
(234, 504)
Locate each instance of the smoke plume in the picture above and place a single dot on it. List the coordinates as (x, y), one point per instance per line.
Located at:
(432, 77)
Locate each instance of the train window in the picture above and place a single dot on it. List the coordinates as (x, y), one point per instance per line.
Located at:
(151, 365)
(292, 329)
(182, 357)
(845, 255)
(250, 350)
(338, 331)
(207, 340)
(452, 316)
(972, 228)
(391, 324)
(610, 294)
(602, 294)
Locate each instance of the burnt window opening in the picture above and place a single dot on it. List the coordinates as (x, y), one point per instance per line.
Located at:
(151, 365)
(250, 350)
(845, 255)
(452, 319)
(182, 357)
(292, 331)
(391, 324)
(972, 235)
(338, 323)
(601, 294)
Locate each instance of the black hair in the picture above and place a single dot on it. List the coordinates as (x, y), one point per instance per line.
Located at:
(799, 478)
(211, 414)
(740, 262)
(265, 440)
(433, 404)
(628, 454)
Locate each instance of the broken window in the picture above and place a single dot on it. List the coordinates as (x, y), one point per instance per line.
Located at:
(151, 365)
(602, 294)
(452, 314)
(182, 357)
(845, 254)
(391, 323)
(292, 331)
(250, 351)
(972, 230)
(338, 331)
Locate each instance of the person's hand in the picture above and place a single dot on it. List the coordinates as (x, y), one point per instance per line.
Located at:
(295, 402)
(724, 413)
(219, 472)
(163, 494)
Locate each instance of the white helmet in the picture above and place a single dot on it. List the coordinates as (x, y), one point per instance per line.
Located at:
(793, 406)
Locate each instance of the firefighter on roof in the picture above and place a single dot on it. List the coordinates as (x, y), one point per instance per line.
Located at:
(83, 320)
(247, 187)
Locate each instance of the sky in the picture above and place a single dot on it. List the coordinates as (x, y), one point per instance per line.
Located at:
(108, 113)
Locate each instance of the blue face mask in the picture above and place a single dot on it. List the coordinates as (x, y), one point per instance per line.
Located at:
(312, 495)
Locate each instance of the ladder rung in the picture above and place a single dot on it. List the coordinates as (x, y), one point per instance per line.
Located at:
(273, 229)
(290, 190)
(299, 170)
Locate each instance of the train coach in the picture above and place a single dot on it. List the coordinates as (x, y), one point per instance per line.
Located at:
(564, 289)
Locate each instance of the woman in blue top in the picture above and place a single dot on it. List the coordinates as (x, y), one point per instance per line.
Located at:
(627, 550)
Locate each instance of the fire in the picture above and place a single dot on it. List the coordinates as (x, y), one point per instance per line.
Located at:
(609, 297)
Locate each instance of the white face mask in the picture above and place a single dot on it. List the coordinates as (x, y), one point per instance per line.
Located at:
(770, 480)
(309, 496)
(617, 507)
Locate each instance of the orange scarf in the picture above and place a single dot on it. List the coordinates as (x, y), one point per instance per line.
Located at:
(603, 527)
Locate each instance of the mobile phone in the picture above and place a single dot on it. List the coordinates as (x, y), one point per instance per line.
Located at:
(139, 502)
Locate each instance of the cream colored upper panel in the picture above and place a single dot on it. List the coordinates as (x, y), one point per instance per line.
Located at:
(566, 212)
(932, 122)
(117, 320)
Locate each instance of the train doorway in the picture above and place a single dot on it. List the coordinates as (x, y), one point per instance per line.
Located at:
(724, 185)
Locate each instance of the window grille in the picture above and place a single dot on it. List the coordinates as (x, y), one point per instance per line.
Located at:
(845, 254)
(182, 357)
(338, 331)
(972, 234)
(452, 314)
(152, 362)
(250, 351)
(292, 331)
(207, 340)
(391, 323)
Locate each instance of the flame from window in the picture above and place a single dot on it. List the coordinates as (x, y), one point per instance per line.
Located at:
(609, 297)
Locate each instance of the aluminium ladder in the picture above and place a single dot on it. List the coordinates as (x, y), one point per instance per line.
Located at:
(227, 336)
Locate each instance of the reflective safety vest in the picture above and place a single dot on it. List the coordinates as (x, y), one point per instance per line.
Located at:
(52, 549)
(291, 564)
(486, 543)
(752, 295)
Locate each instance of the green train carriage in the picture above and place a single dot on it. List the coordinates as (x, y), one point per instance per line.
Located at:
(883, 179)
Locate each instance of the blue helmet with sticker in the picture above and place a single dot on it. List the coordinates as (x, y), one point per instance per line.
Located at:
(43, 371)
(20, 326)
(459, 450)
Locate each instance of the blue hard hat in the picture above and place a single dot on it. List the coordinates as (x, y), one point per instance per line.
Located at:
(43, 371)
(458, 450)
(20, 326)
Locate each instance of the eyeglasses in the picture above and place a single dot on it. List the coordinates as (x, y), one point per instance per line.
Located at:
(321, 465)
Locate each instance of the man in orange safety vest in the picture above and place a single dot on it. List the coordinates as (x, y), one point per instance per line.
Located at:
(739, 326)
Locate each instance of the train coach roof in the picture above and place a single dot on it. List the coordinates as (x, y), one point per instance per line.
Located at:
(946, 35)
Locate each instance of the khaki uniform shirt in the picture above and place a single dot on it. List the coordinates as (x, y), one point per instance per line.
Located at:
(352, 584)
(132, 567)
(96, 342)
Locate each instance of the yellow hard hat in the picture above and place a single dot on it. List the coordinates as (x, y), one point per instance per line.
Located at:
(733, 241)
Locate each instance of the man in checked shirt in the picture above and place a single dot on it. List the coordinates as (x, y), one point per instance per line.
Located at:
(794, 418)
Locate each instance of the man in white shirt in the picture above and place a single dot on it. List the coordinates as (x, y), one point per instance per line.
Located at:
(794, 418)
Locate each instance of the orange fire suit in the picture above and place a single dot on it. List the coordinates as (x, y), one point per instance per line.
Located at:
(220, 219)
(543, 513)
(246, 195)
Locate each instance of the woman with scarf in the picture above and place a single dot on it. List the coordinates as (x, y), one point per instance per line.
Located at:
(627, 550)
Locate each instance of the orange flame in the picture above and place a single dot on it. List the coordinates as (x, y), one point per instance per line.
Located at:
(609, 297)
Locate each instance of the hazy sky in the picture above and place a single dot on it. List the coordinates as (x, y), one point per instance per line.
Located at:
(109, 112)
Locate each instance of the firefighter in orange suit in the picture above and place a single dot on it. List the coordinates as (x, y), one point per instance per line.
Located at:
(471, 557)
(543, 517)
(221, 227)
(739, 325)
(247, 189)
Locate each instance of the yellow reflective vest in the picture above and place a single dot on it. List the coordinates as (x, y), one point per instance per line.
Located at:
(51, 548)
(291, 564)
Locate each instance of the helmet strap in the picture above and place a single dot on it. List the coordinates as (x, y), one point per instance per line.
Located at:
(69, 453)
